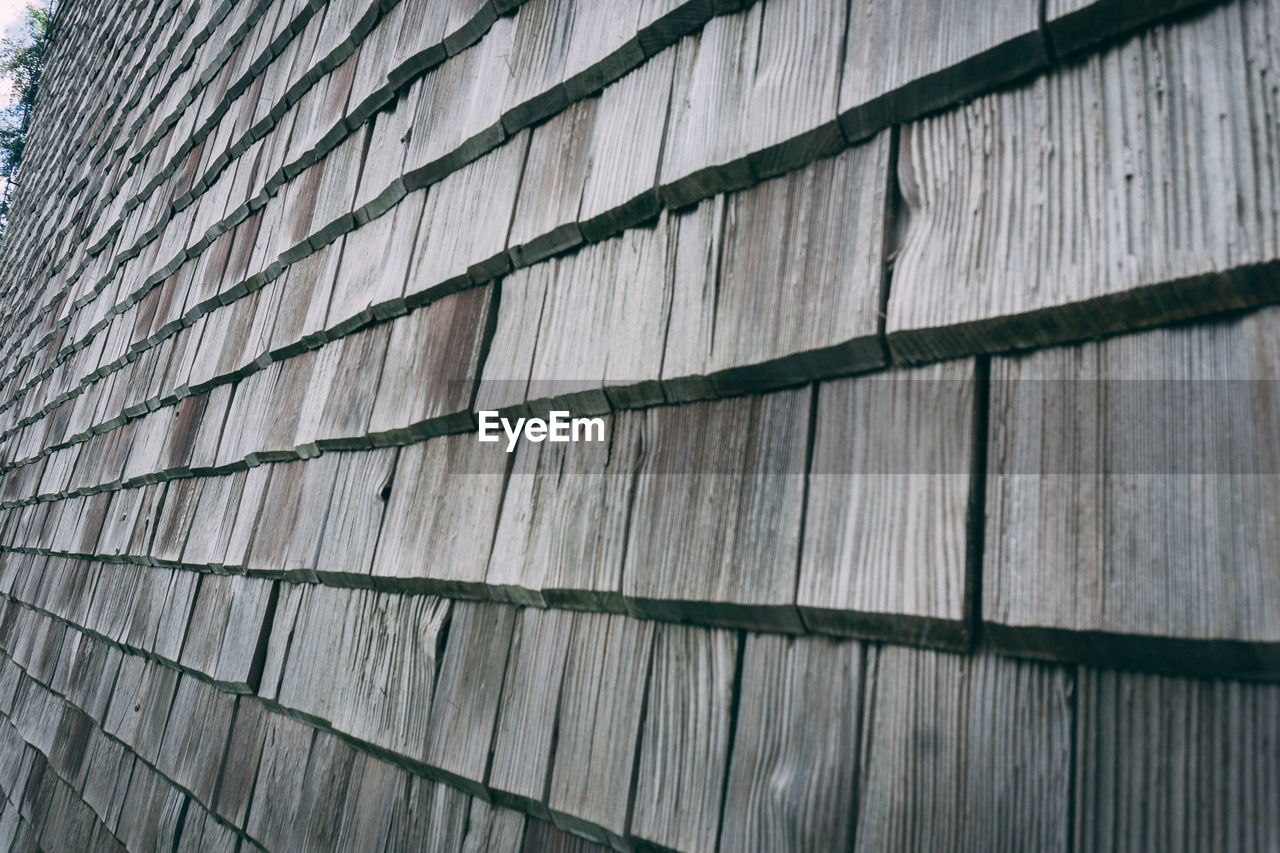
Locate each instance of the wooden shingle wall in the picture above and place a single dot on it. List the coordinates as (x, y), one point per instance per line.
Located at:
(935, 350)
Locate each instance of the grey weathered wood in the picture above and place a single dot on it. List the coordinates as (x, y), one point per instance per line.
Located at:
(1074, 26)
(684, 749)
(890, 506)
(793, 768)
(374, 678)
(602, 325)
(339, 399)
(735, 315)
(715, 521)
(213, 518)
(195, 737)
(1176, 764)
(621, 183)
(1127, 230)
(140, 705)
(294, 508)
(375, 261)
(535, 88)
(374, 792)
(458, 107)
(432, 366)
(418, 42)
(906, 59)
(356, 506)
(492, 827)
(227, 622)
(241, 763)
(482, 193)
(1003, 779)
(561, 530)
(755, 96)
(546, 211)
(525, 734)
(460, 730)
(441, 545)
(1128, 505)
(601, 704)
(281, 773)
(433, 814)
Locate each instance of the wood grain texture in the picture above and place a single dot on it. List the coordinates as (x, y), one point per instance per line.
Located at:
(560, 534)
(195, 737)
(1078, 25)
(432, 366)
(362, 485)
(1175, 764)
(598, 725)
(228, 620)
(375, 263)
(525, 734)
(1132, 498)
(546, 213)
(684, 749)
(602, 325)
(906, 59)
(886, 549)
(715, 523)
(373, 678)
(441, 545)
(964, 752)
(460, 730)
(1148, 167)
(755, 96)
(482, 193)
(736, 316)
(795, 746)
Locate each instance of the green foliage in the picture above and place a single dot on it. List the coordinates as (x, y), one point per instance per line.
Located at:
(21, 61)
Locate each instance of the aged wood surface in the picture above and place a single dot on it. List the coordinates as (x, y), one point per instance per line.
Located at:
(1131, 497)
(1176, 764)
(963, 752)
(715, 526)
(684, 748)
(888, 511)
(1097, 219)
(904, 59)
(793, 765)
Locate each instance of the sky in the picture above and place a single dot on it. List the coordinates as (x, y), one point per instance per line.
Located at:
(10, 16)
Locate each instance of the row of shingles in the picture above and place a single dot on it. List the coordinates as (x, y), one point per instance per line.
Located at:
(657, 24)
(96, 718)
(592, 72)
(129, 318)
(25, 229)
(101, 175)
(844, 169)
(242, 759)
(59, 306)
(87, 276)
(676, 735)
(497, 249)
(555, 185)
(614, 525)
(1131, 494)
(1059, 580)
(540, 704)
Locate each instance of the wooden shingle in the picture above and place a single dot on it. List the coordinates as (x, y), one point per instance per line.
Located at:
(1094, 220)
(890, 505)
(1129, 499)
